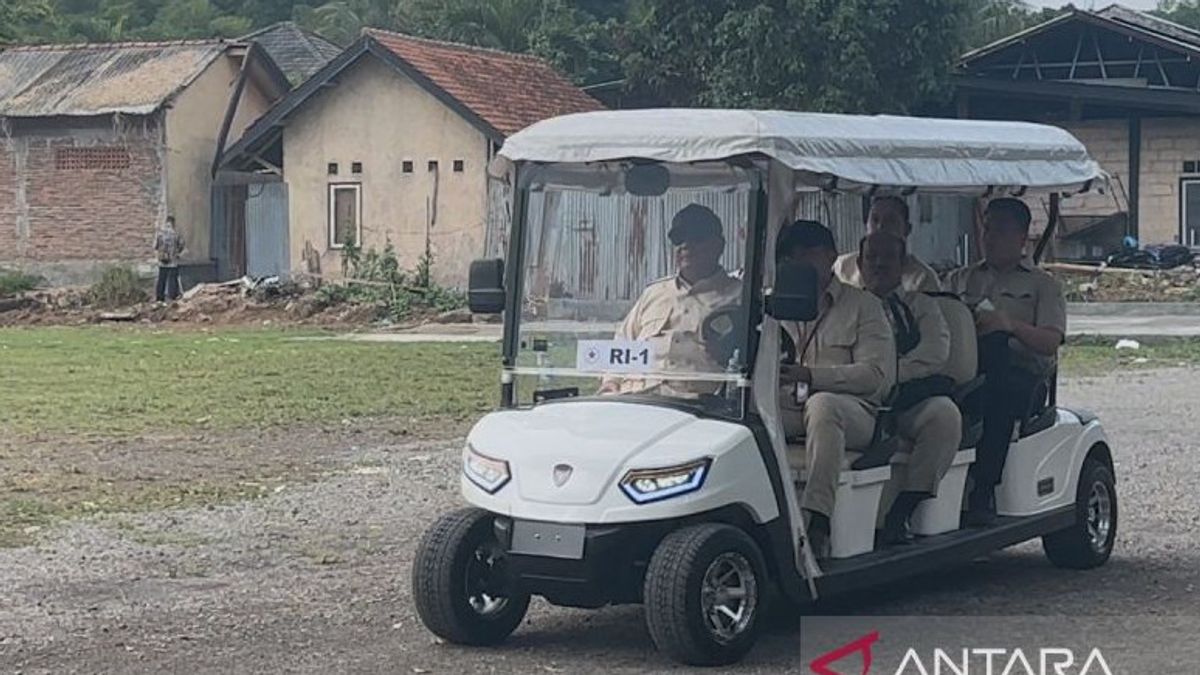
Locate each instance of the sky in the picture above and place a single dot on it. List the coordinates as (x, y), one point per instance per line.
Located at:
(1095, 4)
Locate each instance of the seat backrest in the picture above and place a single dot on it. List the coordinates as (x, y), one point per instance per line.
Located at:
(963, 363)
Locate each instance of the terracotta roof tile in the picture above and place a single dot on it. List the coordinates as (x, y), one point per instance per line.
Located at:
(508, 91)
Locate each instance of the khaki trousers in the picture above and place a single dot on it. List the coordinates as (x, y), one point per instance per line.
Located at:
(830, 423)
(933, 429)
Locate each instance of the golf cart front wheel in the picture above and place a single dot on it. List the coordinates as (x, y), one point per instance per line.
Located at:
(703, 594)
(459, 582)
(1089, 542)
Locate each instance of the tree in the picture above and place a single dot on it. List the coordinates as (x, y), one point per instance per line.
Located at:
(992, 20)
(1183, 12)
(848, 56)
(19, 18)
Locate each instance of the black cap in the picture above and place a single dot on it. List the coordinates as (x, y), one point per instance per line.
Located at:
(694, 223)
(804, 234)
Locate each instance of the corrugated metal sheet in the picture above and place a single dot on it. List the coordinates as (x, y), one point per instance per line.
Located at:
(841, 213)
(131, 78)
(267, 230)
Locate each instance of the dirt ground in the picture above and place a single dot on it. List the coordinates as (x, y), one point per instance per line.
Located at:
(311, 575)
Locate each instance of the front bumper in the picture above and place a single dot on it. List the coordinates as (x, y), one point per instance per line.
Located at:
(610, 571)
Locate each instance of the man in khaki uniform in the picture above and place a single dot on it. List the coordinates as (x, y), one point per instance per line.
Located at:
(890, 214)
(1021, 317)
(925, 414)
(671, 311)
(846, 358)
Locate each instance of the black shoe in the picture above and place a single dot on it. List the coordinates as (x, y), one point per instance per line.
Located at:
(981, 508)
(892, 535)
(895, 525)
(818, 535)
(820, 545)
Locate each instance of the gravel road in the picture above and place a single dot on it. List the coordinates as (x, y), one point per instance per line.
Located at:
(314, 577)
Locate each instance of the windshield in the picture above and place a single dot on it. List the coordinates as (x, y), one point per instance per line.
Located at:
(632, 283)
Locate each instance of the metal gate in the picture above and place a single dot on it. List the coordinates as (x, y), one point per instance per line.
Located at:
(267, 230)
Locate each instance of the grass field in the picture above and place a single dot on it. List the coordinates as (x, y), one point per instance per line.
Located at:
(109, 382)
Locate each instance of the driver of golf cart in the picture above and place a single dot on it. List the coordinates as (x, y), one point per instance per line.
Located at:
(671, 311)
(844, 364)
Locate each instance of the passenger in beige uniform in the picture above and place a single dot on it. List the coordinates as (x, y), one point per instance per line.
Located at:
(925, 414)
(671, 311)
(890, 214)
(847, 359)
(1021, 317)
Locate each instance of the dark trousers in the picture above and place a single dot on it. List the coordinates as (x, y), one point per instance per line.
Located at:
(167, 287)
(1006, 399)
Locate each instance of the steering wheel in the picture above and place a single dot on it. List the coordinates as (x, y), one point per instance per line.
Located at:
(721, 331)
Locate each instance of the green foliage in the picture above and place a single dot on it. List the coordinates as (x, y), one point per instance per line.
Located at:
(375, 277)
(847, 56)
(12, 283)
(117, 287)
(1184, 12)
(19, 18)
(990, 20)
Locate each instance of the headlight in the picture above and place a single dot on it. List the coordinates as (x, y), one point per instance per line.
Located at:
(487, 473)
(651, 485)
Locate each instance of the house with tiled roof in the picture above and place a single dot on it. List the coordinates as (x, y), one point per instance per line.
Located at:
(101, 142)
(388, 143)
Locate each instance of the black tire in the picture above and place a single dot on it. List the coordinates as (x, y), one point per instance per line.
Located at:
(1088, 543)
(676, 612)
(457, 561)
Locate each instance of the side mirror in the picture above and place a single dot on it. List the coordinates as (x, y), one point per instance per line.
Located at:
(794, 297)
(485, 286)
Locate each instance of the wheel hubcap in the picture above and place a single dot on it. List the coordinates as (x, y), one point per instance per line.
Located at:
(729, 596)
(484, 577)
(1099, 516)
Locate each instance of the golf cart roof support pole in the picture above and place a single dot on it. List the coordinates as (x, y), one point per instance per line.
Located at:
(1135, 174)
(1051, 227)
(752, 291)
(512, 284)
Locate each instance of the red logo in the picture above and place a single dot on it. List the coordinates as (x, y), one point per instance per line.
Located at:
(862, 645)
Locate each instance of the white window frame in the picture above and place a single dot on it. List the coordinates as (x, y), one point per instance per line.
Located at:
(332, 219)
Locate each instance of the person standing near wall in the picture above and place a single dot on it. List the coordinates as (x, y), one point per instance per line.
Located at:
(168, 245)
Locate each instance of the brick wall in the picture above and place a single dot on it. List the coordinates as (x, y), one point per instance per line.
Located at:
(78, 196)
(1166, 144)
(1107, 142)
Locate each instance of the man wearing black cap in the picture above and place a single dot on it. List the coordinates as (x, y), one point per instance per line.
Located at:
(670, 312)
(845, 364)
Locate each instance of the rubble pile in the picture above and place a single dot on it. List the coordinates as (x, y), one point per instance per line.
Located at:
(272, 301)
(1181, 284)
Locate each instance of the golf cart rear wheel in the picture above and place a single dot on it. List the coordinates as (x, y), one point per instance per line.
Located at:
(1089, 542)
(459, 583)
(703, 594)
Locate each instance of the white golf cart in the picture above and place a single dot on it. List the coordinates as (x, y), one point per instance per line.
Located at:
(679, 490)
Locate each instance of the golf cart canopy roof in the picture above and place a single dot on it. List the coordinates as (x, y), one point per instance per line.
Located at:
(849, 153)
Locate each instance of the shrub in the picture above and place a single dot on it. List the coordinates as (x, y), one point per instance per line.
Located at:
(12, 283)
(117, 287)
(399, 294)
